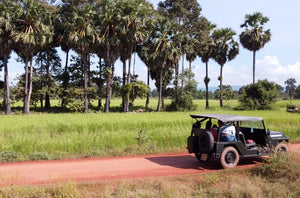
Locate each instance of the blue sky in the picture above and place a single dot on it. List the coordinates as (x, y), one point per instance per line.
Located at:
(277, 61)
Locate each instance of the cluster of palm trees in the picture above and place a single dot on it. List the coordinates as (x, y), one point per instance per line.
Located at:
(117, 29)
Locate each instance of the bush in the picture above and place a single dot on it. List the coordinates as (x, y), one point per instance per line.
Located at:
(183, 103)
(259, 96)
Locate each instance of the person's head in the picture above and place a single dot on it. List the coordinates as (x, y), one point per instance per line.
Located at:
(220, 123)
(208, 124)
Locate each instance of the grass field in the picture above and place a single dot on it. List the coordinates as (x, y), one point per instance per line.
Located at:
(43, 136)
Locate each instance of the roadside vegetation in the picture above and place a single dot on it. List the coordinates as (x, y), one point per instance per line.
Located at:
(73, 135)
(277, 176)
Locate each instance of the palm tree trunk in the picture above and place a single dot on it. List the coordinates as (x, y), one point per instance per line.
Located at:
(148, 84)
(65, 80)
(254, 53)
(189, 74)
(47, 96)
(26, 105)
(129, 68)
(28, 86)
(221, 86)
(84, 58)
(176, 80)
(133, 77)
(108, 91)
(100, 84)
(182, 70)
(206, 86)
(160, 90)
(7, 92)
(124, 94)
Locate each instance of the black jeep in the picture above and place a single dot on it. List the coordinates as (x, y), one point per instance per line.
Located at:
(252, 139)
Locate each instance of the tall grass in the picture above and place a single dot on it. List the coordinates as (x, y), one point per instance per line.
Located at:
(71, 135)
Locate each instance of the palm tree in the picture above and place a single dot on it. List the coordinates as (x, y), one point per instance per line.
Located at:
(206, 52)
(6, 45)
(254, 37)
(134, 19)
(225, 49)
(163, 52)
(82, 36)
(186, 13)
(34, 29)
(108, 45)
(62, 32)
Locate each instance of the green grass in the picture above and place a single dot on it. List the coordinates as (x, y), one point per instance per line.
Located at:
(74, 135)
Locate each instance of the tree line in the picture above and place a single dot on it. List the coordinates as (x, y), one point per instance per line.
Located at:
(163, 38)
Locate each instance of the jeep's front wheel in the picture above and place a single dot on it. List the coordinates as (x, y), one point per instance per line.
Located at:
(229, 157)
(281, 148)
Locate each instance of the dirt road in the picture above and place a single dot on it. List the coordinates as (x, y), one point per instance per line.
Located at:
(44, 172)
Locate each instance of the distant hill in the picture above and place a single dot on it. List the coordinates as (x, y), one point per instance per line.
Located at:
(212, 89)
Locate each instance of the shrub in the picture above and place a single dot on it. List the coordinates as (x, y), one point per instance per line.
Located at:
(183, 103)
(260, 96)
(9, 156)
(36, 156)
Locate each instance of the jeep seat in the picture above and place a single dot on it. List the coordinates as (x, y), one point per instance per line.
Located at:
(242, 139)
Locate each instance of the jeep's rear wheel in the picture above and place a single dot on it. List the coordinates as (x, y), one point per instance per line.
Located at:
(229, 157)
(281, 148)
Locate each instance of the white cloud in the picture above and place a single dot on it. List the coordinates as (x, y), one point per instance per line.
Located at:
(267, 68)
(271, 69)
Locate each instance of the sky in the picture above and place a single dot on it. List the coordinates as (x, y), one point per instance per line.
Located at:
(277, 61)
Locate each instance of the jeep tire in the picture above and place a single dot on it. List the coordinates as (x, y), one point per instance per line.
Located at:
(229, 157)
(281, 148)
(205, 142)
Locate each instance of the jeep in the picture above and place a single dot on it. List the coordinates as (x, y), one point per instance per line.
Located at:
(251, 139)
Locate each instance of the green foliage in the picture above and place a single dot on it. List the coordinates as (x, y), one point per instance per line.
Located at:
(139, 89)
(280, 167)
(183, 103)
(9, 156)
(290, 88)
(260, 95)
(36, 156)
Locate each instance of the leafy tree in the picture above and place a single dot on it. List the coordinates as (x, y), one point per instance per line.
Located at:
(290, 87)
(228, 92)
(185, 101)
(260, 95)
(254, 37)
(225, 49)
(140, 89)
(297, 92)
(49, 66)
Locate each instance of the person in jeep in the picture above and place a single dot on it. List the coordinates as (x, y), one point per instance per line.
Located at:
(227, 132)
